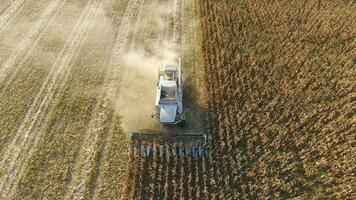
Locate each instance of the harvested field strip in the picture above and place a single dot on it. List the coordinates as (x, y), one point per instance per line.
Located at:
(97, 168)
(13, 34)
(4, 5)
(132, 12)
(24, 49)
(57, 72)
(112, 180)
(65, 131)
(49, 171)
(28, 133)
(10, 12)
(176, 20)
(135, 26)
(17, 98)
(142, 26)
(85, 166)
(84, 171)
(123, 33)
(102, 169)
(50, 83)
(86, 159)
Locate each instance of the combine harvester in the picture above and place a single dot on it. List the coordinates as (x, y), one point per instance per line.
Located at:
(171, 114)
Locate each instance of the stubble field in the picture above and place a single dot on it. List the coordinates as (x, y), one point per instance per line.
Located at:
(75, 78)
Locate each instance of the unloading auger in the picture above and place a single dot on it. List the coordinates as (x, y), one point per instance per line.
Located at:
(170, 112)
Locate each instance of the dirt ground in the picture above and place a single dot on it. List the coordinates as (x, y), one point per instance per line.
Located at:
(75, 78)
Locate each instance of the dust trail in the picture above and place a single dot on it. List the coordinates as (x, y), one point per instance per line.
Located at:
(81, 175)
(28, 134)
(140, 66)
(9, 13)
(25, 48)
(138, 86)
(170, 45)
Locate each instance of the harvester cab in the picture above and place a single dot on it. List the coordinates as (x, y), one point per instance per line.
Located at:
(169, 96)
(169, 112)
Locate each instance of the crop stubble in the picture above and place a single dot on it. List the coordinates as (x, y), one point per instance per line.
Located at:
(65, 99)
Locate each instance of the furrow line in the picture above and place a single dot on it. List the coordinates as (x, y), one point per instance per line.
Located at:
(135, 179)
(81, 175)
(136, 28)
(98, 165)
(28, 44)
(155, 177)
(176, 9)
(9, 13)
(14, 143)
(42, 91)
(168, 174)
(124, 30)
(21, 148)
(60, 83)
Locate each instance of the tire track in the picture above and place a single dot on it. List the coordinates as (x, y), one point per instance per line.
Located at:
(98, 165)
(28, 134)
(28, 44)
(134, 34)
(81, 175)
(10, 12)
(176, 19)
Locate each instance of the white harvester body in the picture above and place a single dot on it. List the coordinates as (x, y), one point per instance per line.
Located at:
(169, 96)
(169, 111)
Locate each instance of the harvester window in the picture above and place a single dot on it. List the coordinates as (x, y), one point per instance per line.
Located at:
(168, 92)
(170, 75)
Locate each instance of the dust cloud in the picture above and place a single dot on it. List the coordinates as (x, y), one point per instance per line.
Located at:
(151, 46)
(137, 93)
(138, 86)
